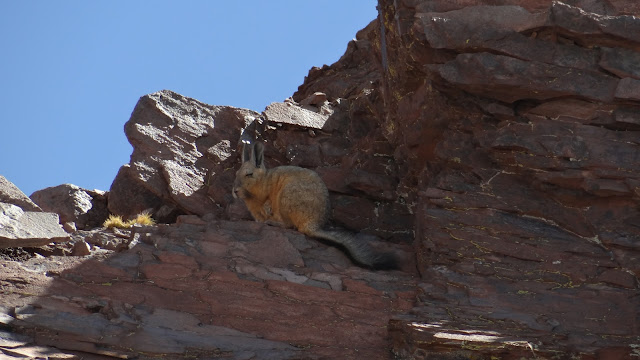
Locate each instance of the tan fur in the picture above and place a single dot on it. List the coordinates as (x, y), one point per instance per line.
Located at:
(294, 197)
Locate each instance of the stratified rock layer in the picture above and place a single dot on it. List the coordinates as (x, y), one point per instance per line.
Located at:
(514, 132)
(206, 289)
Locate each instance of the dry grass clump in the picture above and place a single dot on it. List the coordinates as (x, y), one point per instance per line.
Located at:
(144, 218)
(116, 221)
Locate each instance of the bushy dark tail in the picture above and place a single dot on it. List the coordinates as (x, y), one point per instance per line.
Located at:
(360, 251)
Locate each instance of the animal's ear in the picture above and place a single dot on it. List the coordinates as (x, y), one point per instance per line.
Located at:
(258, 150)
(247, 151)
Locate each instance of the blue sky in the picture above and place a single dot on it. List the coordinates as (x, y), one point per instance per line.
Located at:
(71, 72)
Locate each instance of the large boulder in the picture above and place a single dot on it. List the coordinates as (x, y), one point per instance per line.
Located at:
(23, 223)
(183, 157)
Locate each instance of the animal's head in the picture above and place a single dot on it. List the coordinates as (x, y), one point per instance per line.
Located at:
(250, 176)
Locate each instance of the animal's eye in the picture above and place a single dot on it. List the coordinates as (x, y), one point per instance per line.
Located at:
(248, 174)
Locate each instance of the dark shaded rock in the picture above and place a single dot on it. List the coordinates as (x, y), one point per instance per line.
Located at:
(508, 79)
(594, 29)
(348, 77)
(527, 195)
(611, 7)
(628, 89)
(503, 30)
(473, 26)
(621, 61)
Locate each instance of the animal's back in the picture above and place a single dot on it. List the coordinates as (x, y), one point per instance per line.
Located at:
(299, 198)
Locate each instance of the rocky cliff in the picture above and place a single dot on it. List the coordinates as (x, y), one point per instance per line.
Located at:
(493, 147)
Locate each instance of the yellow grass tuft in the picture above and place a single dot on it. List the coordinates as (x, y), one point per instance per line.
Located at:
(144, 218)
(115, 221)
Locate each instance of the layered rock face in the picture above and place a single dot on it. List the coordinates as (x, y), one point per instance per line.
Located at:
(204, 289)
(516, 127)
(493, 148)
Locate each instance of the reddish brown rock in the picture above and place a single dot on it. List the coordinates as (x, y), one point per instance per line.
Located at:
(628, 89)
(519, 206)
(213, 288)
(513, 131)
(508, 79)
(621, 62)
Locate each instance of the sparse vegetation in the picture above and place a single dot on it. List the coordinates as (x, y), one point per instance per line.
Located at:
(144, 218)
(116, 221)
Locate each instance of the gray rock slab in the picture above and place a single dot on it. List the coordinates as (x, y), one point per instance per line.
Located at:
(289, 113)
(28, 228)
